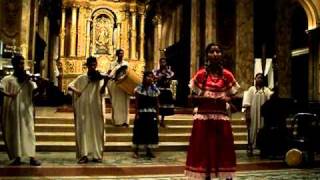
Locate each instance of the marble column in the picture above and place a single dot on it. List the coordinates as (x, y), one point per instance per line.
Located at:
(125, 35)
(88, 50)
(93, 44)
(157, 36)
(62, 31)
(141, 49)
(133, 37)
(24, 33)
(177, 25)
(81, 29)
(314, 63)
(45, 62)
(210, 30)
(73, 32)
(119, 35)
(244, 43)
(87, 32)
(35, 21)
(195, 37)
(282, 46)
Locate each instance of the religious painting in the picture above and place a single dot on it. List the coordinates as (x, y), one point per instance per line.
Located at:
(104, 33)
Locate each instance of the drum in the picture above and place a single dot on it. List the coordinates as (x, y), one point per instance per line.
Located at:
(127, 79)
(293, 157)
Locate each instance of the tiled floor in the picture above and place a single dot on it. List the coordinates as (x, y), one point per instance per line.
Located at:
(120, 165)
(125, 164)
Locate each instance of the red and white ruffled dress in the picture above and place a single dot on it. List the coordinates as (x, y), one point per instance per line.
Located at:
(211, 148)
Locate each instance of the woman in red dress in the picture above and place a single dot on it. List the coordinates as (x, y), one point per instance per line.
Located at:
(211, 150)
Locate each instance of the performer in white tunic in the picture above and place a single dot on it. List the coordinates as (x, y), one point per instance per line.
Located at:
(119, 98)
(18, 114)
(88, 90)
(253, 99)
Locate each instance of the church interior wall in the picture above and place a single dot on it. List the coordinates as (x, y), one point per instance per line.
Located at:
(233, 25)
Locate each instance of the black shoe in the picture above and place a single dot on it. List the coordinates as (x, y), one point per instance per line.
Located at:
(125, 125)
(35, 162)
(97, 160)
(163, 125)
(150, 155)
(83, 160)
(16, 162)
(135, 155)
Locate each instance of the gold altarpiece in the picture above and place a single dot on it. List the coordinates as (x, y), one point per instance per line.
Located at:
(98, 28)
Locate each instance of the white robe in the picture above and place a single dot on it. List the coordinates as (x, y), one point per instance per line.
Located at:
(18, 117)
(119, 98)
(89, 120)
(255, 99)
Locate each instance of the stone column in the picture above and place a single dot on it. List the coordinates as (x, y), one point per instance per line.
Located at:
(73, 32)
(195, 36)
(93, 44)
(141, 53)
(87, 32)
(45, 62)
(62, 31)
(125, 34)
(177, 24)
(282, 46)
(244, 43)
(88, 50)
(81, 29)
(24, 33)
(210, 30)
(157, 36)
(119, 35)
(133, 37)
(35, 21)
(314, 64)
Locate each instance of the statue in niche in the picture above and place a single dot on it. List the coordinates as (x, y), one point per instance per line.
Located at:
(103, 38)
(10, 18)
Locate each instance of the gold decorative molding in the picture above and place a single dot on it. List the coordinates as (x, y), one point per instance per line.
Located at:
(116, 28)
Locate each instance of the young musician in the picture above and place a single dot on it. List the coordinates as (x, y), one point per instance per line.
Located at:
(119, 98)
(18, 114)
(88, 90)
(163, 77)
(145, 130)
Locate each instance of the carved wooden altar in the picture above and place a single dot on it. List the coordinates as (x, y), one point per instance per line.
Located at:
(99, 28)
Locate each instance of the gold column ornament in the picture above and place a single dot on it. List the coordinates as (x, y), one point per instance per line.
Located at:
(133, 36)
(88, 38)
(141, 54)
(119, 35)
(157, 37)
(73, 32)
(62, 31)
(81, 29)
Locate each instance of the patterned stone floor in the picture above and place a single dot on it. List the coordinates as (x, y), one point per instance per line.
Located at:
(116, 165)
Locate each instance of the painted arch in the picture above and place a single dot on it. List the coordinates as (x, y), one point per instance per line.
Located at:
(312, 8)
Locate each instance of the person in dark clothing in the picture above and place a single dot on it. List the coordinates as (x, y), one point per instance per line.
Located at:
(273, 137)
(145, 130)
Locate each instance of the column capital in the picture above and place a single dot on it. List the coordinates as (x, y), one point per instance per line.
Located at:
(141, 10)
(156, 20)
(133, 9)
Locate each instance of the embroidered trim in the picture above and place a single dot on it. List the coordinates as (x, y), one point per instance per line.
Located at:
(211, 117)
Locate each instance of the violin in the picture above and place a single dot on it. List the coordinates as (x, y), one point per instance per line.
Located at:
(97, 76)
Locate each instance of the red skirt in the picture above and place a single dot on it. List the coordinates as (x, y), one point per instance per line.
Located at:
(211, 148)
